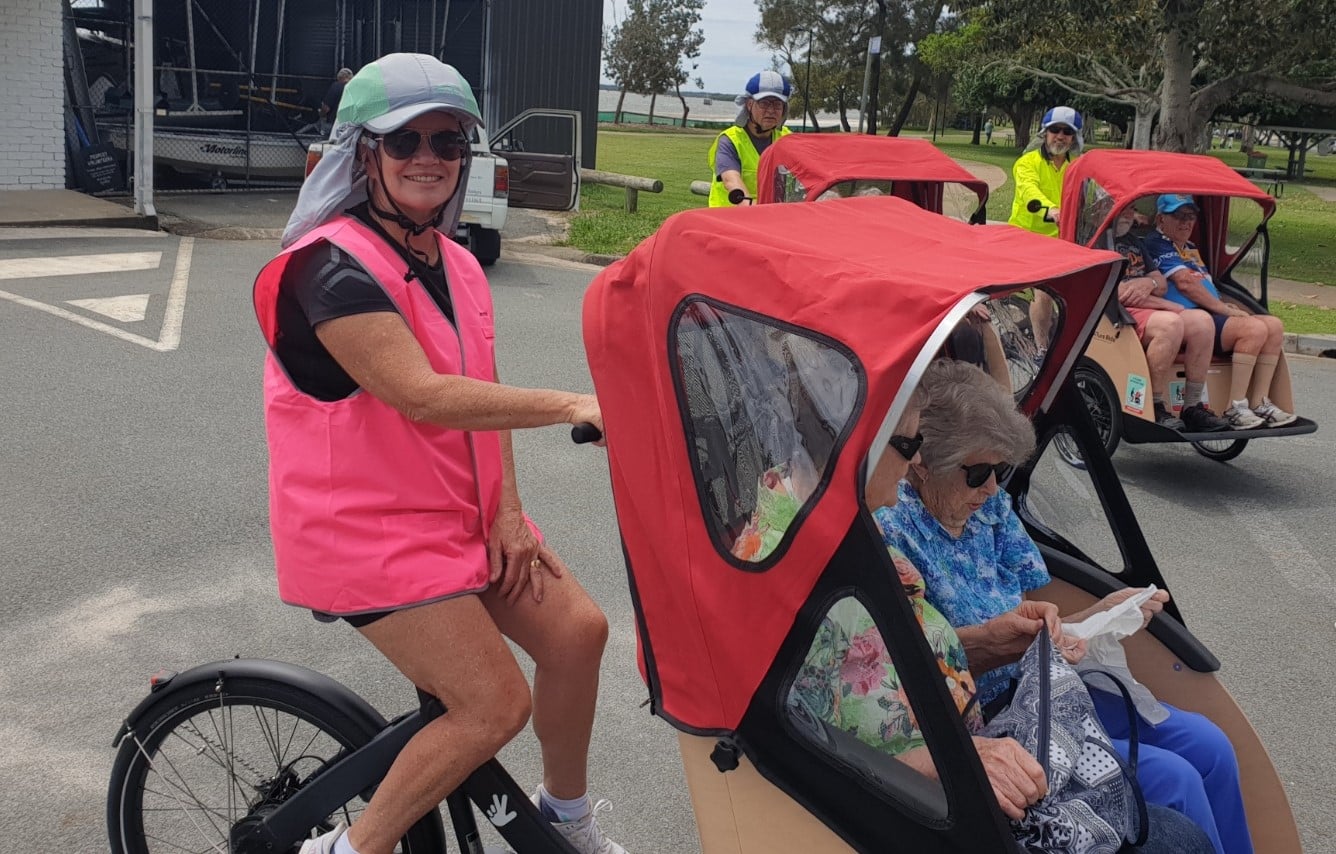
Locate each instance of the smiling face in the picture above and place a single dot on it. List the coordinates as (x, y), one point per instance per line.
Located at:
(422, 183)
(1177, 226)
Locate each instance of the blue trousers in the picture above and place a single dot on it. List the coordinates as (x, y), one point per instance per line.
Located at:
(1185, 763)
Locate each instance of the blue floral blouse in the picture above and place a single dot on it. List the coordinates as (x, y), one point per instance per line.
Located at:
(974, 578)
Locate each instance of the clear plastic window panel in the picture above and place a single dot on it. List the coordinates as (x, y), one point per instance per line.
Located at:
(1245, 247)
(787, 186)
(1095, 206)
(1062, 498)
(847, 700)
(859, 187)
(1000, 336)
(764, 410)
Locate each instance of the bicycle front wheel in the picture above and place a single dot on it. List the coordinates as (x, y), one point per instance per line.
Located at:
(206, 757)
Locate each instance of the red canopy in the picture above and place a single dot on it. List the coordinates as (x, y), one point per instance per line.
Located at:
(877, 275)
(819, 161)
(1126, 176)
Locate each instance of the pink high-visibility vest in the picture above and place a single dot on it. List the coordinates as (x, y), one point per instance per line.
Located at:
(370, 511)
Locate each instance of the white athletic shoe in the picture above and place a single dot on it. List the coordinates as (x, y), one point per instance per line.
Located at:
(584, 834)
(1240, 417)
(1273, 415)
(324, 843)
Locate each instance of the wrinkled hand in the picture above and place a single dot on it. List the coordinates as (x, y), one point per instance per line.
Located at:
(1232, 310)
(1017, 777)
(1010, 634)
(1134, 292)
(586, 410)
(1149, 608)
(517, 558)
(979, 315)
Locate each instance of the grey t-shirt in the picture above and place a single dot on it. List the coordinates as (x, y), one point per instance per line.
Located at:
(726, 155)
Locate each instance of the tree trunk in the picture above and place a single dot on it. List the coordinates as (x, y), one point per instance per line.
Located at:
(902, 115)
(811, 115)
(1141, 127)
(1179, 126)
(842, 110)
(652, 98)
(1022, 119)
(617, 116)
(978, 129)
(685, 108)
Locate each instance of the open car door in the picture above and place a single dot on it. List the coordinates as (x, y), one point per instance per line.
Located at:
(543, 149)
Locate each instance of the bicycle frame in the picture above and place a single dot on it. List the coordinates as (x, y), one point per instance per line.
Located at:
(509, 809)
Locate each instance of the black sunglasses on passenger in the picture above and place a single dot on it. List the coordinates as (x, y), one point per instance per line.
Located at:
(1062, 130)
(977, 474)
(907, 446)
(445, 144)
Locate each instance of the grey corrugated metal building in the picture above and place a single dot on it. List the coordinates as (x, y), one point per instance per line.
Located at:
(517, 53)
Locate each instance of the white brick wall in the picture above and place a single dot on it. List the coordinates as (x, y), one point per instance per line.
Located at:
(32, 96)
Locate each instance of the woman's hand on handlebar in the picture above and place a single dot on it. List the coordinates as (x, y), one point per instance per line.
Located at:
(586, 411)
(518, 560)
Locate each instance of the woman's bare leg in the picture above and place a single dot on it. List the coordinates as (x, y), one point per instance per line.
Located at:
(455, 652)
(565, 635)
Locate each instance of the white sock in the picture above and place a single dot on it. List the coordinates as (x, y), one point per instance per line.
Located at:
(343, 846)
(570, 810)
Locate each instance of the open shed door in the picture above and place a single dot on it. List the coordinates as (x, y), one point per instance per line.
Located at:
(542, 147)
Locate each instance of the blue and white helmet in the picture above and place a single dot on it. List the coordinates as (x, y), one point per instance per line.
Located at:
(1064, 116)
(763, 84)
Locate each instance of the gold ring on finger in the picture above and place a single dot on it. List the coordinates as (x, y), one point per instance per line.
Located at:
(535, 563)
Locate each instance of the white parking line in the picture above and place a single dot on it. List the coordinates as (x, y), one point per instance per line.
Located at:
(168, 339)
(78, 265)
(66, 232)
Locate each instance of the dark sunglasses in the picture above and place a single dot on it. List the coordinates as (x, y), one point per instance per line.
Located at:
(445, 144)
(977, 474)
(1062, 130)
(907, 446)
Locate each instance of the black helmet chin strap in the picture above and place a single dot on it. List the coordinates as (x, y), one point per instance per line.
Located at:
(398, 217)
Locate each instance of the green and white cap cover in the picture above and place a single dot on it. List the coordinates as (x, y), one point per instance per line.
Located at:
(382, 97)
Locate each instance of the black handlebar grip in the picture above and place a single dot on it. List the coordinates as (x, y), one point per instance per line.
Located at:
(584, 433)
(736, 196)
(1033, 206)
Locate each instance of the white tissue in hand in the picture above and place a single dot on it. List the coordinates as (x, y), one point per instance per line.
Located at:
(1102, 633)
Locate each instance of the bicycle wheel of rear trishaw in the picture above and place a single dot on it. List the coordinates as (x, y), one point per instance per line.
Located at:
(1220, 450)
(200, 762)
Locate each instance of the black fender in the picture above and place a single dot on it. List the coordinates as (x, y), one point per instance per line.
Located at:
(335, 693)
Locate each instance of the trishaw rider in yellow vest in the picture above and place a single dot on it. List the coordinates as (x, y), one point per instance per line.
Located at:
(736, 152)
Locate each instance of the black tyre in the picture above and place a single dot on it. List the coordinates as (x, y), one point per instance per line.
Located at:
(201, 760)
(1220, 450)
(485, 244)
(1106, 410)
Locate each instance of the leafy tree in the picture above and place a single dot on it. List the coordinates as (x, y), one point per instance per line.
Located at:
(1182, 59)
(652, 51)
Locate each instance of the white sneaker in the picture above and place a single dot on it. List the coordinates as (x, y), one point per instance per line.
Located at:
(324, 843)
(584, 834)
(1240, 417)
(1273, 415)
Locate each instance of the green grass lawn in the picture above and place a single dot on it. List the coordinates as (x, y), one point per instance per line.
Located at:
(1303, 230)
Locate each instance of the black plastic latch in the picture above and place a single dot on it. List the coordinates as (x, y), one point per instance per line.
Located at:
(725, 755)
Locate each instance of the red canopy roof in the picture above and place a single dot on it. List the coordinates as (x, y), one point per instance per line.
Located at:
(877, 275)
(1130, 175)
(820, 161)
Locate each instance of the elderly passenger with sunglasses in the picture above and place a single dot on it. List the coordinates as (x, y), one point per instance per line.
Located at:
(393, 498)
(953, 521)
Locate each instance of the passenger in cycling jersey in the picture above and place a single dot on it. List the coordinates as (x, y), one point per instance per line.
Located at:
(393, 497)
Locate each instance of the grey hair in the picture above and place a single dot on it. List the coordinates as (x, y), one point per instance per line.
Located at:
(918, 399)
(968, 412)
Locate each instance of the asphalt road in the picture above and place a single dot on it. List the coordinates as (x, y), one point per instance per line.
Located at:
(135, 535)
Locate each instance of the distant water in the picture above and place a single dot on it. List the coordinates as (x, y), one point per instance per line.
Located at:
(668, 106)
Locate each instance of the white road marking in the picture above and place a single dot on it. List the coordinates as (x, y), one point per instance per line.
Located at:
(170, 337)
(1279, 545)
(127, 309)
(78, 265)
(66, 232)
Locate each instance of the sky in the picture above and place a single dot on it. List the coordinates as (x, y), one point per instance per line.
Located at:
(730, 54)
